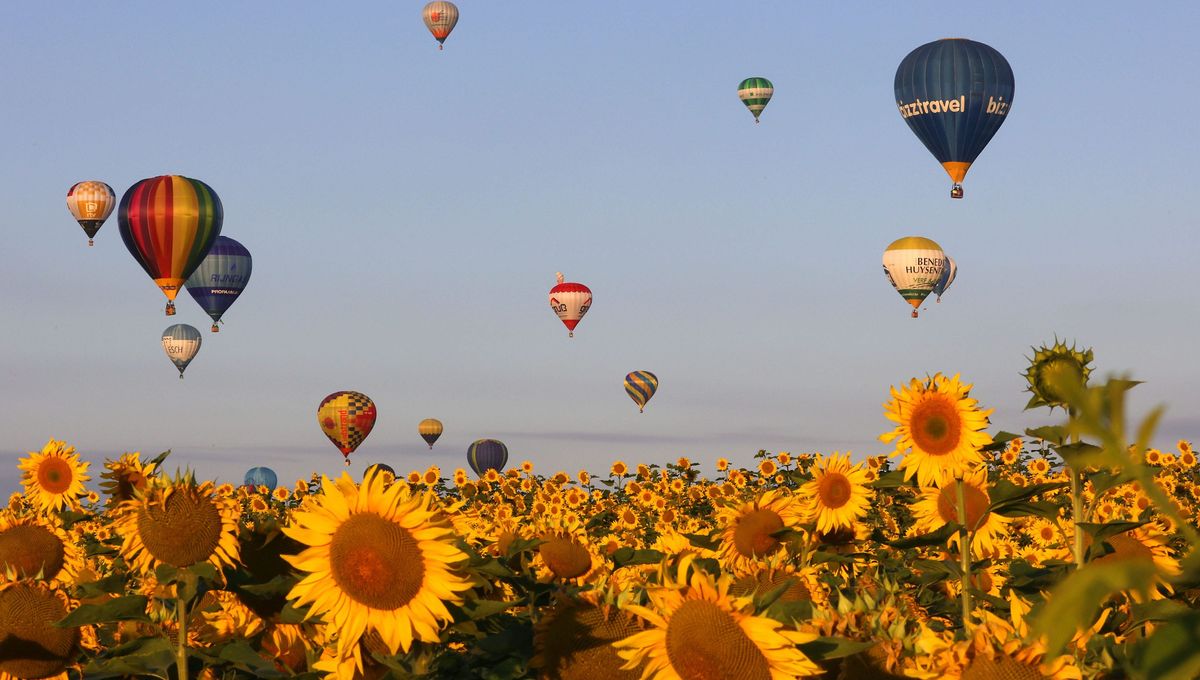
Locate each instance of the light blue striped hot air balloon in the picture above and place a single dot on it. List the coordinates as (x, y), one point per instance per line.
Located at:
(641, 386)
(261, 476)
(181, 342)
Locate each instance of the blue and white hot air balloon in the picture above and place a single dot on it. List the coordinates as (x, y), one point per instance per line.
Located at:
(221, 277)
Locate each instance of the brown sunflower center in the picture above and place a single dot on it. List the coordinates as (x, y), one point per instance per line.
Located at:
(127, 482)
(575, 643)
(977, 503)
(936, 426)
(704, 642)
(1003, 668)
(1126, 548)
(376, 561)
(54, 475)
(30, 645)
(834, 490)
(182, 531)
(565, 557)
(28, 549)
(752, 535)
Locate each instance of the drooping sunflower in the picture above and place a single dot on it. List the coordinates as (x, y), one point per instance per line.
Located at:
(1143, 544)
(378, 558)
(31, 646)
(750, 530)
(178, 522)
(1053, 367)
(837, 495)
(53, 477)
(37, 547)
(573, 641)
(697, 631)
(124, 476)
(939, 428)
(938, 506)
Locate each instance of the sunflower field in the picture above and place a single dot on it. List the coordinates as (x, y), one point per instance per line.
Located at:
(1064, 552)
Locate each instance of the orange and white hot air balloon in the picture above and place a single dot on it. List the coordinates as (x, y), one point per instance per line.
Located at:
(90, 204)
(570, 301)
(440, 18)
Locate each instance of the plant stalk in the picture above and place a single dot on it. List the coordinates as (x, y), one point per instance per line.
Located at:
(964, 550)
(181, 662)
(1076, 501)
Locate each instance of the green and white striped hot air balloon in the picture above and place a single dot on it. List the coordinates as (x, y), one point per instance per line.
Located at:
(914, 265)
(755, 93)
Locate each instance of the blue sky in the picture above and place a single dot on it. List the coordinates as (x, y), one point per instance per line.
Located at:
(407, 210)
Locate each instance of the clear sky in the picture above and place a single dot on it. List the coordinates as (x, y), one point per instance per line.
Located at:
(407, 210)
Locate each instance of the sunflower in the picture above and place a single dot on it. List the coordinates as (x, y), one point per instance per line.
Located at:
(1051, 368)
(379, 558)
(939, 426)
(31, 646)
(53, 477)
(573, 641)
(750, 530)
(1142, 544)
(37, 547)
(938, 506)
(124, 476)
(699, 631)
(837, 495)
(177, 522)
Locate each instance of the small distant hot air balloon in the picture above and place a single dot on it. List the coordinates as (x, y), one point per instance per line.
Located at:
(948, 274)
(261, 476)
(91, 203)
(221, 277)
(755, 93)
(181, 342)
(430, 429)
(570, 301)
(487, 454)
(954, 94)
(346, 417)
(914, 265)
(169, 224)
(641, 386)
(440, 18)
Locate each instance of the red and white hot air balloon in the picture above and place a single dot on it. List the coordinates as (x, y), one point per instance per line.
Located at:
(570, 301)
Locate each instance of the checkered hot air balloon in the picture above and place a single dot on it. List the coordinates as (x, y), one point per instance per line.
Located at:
(755, 93)
(346, 417)
(440, 18)
(90, 204)
(641, 386)
(570, 301)
(169, 223)
(914, 265)
(181, 342)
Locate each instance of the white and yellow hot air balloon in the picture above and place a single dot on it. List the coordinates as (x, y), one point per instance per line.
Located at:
(440, 17)
(914, 265)
(90, 204)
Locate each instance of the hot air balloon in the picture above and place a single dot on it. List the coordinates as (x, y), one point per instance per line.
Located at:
(181, 342)
(954, 94)
(755, 93)
(169, 224)
(430, 429)
(948, 274)
(641, 386)
(914, 265)
(221, 277)
(91, 203)
(261, 476)
(346, 417)
(440, 18)
(487, 454)
(570, 301)
(379, 468)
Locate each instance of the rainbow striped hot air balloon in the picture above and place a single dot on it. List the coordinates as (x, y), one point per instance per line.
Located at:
(755, 93)
(440, 17)
(914, 265)
(169, 224)
(487, 454)
(641, 386)
(346, 417)
(181, 342)
(570, 301)
(90, 204)
(430, 429)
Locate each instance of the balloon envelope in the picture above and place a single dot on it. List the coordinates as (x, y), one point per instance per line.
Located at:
(440, 18)
(169, 223)
(948, 274)
(570, 301)
(954, 94)
(378, 468)
(755, 93)
(346, 417)
(914, 265)
(430, 429)
(181, 342)
(641, 386)
(221, 277)
(261, 476)
(487, 454)
(90, 204)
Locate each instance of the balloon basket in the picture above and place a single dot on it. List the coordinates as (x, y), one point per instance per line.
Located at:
(571, 334)
(440, 48)
(956, 191)
(91, 243)
(914, 314)
(170, 309)
(215, 329)
(347, 462)
(181, 376)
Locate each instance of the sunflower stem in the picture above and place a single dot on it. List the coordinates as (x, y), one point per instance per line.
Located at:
(1076, 500)
(964, 550)
(181, 662)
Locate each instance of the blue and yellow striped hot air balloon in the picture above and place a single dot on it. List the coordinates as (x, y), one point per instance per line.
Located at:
(954, 94)
(641, 386)
(487, 454)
